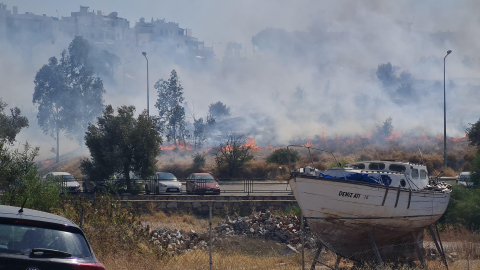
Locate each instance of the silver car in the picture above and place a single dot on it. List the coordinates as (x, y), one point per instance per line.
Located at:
(163, 182)
(66, 180)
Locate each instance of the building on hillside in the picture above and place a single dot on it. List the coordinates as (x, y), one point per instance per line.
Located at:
(105, 31)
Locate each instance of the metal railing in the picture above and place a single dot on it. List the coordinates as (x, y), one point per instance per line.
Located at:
(227, 186)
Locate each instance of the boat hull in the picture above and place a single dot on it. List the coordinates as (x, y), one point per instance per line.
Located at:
(344, 214)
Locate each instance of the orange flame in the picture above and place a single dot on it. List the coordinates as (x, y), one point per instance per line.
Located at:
(459, 139)
(250, 143)
(47, 161)
(395, 135)
(308, 144)
(181, 145)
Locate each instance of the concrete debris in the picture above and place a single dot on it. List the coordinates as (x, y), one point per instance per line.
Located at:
(283, 229)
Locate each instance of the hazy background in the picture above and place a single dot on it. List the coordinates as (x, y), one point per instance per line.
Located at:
(312, 71)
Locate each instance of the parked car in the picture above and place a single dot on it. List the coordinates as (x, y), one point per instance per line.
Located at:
(203, 183)
(464, 179)
(163, 182)
(66, 180)
(31, 239)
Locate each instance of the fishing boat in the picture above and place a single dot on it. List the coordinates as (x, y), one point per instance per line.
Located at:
(368, 205)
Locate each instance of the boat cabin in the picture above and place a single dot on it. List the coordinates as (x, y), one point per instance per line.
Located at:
(403, 174)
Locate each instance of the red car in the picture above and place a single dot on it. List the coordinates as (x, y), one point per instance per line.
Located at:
(202, 183)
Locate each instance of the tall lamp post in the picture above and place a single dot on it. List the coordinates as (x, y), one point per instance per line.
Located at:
(148, 103)
(445, 116)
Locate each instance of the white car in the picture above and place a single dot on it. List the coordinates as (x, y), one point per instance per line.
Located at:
(464, 179)
(163, 182)
(66, 180)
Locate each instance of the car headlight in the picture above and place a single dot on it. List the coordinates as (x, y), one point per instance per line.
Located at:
(162, 185)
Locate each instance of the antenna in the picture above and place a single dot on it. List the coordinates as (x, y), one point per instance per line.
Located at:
(420, 151)
(21, 209)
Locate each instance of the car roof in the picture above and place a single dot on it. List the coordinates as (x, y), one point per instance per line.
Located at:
(30, 214)
(201, 174)
(60, 173)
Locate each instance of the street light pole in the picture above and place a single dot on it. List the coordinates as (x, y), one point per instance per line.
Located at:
(445, 116)
(148, 103)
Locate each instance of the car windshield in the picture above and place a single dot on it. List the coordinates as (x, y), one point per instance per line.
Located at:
(62, 178)
(166, 177)
(204, 178)
(19, 239)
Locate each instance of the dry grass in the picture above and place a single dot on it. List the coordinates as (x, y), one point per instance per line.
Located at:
(182, 221)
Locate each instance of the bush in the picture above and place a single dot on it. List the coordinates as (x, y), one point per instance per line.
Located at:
(283, 156)
(199, 159)
(475, 171)
(232, 157)
(110, 227)
(464, 207)
(19, 175)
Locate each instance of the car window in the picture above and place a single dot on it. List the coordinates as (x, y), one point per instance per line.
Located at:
(166, 177)
(204, 178)
(22, 239)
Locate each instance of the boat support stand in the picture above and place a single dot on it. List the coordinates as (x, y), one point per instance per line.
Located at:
(377, 254)
(438, 243)
(317, 255)
(419, 251)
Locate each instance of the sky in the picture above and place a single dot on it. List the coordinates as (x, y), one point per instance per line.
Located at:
(315, 75)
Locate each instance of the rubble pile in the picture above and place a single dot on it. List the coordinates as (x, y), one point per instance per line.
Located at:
(283, 229)
(178, 241)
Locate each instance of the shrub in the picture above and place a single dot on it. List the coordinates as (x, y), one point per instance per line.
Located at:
(475, 171)
(110, 227)
(283, 156)
(232, 157)
(19, 175)
(199, 159)
(463, 207)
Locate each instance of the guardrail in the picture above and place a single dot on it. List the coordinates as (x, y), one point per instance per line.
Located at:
(227, 186)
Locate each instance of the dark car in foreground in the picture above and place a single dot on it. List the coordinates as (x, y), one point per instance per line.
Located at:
(31, 239)
(202, 183)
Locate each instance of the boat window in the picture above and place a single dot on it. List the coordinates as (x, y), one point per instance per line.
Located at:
(414, 173)
(358, 166)
(423, 174)
(376, 166)
(396, 168)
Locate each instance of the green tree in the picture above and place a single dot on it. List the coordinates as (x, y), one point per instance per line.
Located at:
(122, 144)
(68, 94)
(385, 130)
(86, 94)
(473, 135)
(283, 156)
(218, 110)
(51, 95)
(199, 135)
(386, 74)
(232, 157)
(475, 171)
(10, 125)
(170, 109)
